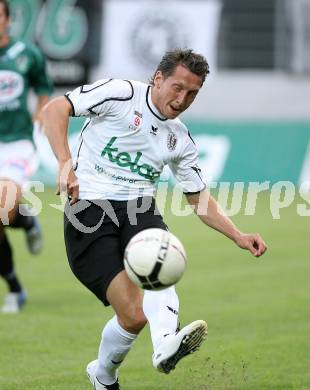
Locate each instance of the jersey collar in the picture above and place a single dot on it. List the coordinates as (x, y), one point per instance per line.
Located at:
(151, 106)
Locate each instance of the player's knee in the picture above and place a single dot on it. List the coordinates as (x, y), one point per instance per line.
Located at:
(134, 320)
(10, 195)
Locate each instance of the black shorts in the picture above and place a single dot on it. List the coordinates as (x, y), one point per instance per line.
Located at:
(96, 234)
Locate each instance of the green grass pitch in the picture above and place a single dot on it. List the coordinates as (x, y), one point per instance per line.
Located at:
(258, 312)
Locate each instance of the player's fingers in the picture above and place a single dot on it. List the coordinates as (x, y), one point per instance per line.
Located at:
(73, 184)
(258, 245)
(260, 249)
(73, 200)
(62, 188)
(73, 188)
(73, 192)
(74, 197)
(252, 248)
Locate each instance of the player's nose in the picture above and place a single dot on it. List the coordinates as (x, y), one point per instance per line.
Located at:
(180, 99)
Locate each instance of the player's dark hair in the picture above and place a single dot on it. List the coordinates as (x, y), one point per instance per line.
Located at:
(6, 7)
(194, 62)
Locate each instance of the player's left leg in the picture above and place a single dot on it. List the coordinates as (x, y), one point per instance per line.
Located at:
(10, 194)
(161, 307)
(18, 161)
(170, 343)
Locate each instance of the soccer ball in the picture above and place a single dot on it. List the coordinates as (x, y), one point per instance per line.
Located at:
(154, 259)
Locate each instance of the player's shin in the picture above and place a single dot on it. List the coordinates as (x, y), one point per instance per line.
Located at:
(22, 220)
(115, 345)
(161, 309)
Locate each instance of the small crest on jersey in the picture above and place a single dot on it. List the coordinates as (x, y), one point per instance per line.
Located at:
(154, 130)
(138, 114)
(171, 141)
(136, 122)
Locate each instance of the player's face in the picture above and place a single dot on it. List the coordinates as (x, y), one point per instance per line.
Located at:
(4, 22)
(174, 94)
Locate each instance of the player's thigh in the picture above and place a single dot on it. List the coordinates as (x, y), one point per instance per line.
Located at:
(94, 254)
(150, 218)
(10, 197)
(97, 265)
(18, 162)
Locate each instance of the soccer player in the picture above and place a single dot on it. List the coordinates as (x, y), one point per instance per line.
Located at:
(131, 133)
(21, 67)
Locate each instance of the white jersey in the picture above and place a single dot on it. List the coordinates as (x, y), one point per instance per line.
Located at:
(126, 142)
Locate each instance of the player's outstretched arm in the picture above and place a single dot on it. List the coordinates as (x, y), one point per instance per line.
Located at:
(55, 123)
(210, 212)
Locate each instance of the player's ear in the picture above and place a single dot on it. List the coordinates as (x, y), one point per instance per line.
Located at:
(158, 79)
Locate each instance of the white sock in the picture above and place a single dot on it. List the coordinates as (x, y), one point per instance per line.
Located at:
(115, 344)
(161, 308)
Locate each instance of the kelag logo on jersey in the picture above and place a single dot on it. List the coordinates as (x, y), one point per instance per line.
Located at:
(123, 159)
(11, 86)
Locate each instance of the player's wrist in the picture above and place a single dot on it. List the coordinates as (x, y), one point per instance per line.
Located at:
(65, 165)
(236, 236)
(64, 160)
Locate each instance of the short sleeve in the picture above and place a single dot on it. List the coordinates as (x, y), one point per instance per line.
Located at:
(98, 98)
(38, 77)
(186, 170)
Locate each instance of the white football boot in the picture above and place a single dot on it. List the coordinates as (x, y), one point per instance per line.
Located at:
(13, 302)
(91, 373)
(178, 345)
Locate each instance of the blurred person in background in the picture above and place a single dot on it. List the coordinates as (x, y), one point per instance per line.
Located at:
(22, 67)
(131, 133)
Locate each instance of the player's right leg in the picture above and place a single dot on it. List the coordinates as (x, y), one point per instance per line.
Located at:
(31, 226)
(96, 260)
(119, 333)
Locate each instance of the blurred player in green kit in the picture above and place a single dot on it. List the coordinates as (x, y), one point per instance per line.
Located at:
(22, 67)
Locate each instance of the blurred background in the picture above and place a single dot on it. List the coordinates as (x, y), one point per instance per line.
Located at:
(251, 120)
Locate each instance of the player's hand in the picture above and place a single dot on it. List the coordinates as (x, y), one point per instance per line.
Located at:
(253, 243)
(67, 182)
